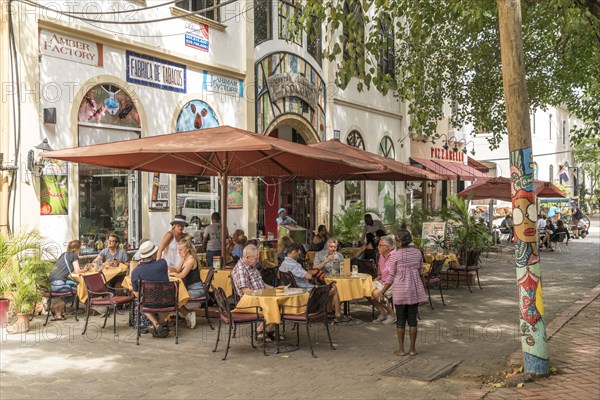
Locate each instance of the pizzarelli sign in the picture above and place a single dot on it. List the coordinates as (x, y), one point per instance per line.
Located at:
(286, 85)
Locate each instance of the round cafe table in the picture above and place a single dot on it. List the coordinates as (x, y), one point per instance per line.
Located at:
(352, 287)
(271, 303)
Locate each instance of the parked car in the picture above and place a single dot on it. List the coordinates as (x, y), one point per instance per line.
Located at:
(198, 208)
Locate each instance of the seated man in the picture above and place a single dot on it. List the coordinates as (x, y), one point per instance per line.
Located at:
(246, 278)
(506, 227)
(150, 269)
(329, 258)
(291, 265)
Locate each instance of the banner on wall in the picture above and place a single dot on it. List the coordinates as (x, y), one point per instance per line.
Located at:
(54, 195)
(65, 47)
(197, 37)
(235, 194)
(213, 83)
(151, 71)
(159, 191)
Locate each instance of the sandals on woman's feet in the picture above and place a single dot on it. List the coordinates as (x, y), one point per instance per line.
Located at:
(260, 336)
(272, 336)
(159, 332)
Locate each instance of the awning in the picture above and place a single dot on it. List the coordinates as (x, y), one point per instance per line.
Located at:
(438, 169)
(451, 170)
(477, 165)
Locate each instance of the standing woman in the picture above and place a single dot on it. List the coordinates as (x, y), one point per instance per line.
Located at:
(67, 263)
(404, 278)
(168, 245)
(189, 272)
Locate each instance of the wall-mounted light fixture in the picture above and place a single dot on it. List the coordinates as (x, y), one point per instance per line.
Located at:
(34, 165)
(472, 150)
(409, 185)
(452, 139)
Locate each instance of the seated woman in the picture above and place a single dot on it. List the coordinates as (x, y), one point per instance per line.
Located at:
(368, 251)
(560, 228)
(282, 245)
(67, 263)
(318, 241)
(188, 271)
(232, 241)
(238, 249)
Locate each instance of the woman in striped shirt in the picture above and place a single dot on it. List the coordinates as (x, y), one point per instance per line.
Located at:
(407, 292)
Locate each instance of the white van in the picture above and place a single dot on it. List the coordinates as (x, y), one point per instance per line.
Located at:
(198, 207)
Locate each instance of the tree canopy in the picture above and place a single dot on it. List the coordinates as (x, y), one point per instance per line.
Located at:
(450, 50)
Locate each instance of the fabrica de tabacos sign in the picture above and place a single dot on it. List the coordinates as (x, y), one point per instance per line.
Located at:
(152, 71)
(439, 153)
(286, 85)
(69, 48)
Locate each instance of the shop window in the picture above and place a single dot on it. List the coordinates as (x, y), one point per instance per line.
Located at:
(386, 200)
(353, 190)
(287, 12)
(108, 198)
(351, 52)
(193, 190)
(262, 21)
(197, 5)
(386, 57)
(313, 41)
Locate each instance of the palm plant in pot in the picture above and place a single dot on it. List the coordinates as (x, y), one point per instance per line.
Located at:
(348, 223)
(22, 268)
(470, 237)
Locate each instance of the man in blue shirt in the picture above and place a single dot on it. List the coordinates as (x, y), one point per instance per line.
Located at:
(150, 269)
(301, 276)
(283, 218)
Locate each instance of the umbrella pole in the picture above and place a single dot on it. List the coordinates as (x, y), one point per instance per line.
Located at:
(331, 185)
(223, 179)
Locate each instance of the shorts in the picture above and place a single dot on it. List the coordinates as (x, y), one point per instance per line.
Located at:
(575, 223)
(406, 313)
(377, 284)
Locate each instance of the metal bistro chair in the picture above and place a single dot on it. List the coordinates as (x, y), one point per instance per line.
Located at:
(288, 279)
(472, 264)
(560, 243)
(435, 279)
(46, 290)
(233, 318)
(204, 300)
(316, 311)
(99, 295)
(159, 298)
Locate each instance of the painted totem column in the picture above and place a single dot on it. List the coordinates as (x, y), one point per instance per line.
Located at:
(532, 325)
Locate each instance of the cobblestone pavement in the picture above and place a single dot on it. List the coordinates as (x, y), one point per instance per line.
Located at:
(479, 330)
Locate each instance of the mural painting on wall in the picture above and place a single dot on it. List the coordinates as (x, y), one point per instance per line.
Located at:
(531, 304)
(108, 104)
(196, 114)
(286, 83)
(235, 194)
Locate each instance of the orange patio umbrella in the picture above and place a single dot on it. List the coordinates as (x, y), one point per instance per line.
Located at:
(220, 151)
(499, 188)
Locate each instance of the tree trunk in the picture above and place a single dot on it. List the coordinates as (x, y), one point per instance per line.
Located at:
(532, 325)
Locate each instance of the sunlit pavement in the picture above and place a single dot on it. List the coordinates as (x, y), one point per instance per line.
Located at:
(479, 330)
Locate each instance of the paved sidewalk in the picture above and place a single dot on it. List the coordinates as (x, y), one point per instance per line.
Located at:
(575, 346)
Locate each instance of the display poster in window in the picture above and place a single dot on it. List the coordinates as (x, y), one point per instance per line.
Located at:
(108, 104)
(54, 194)
(159, 192)
(196, 114)
(235, 193)
(433, 234)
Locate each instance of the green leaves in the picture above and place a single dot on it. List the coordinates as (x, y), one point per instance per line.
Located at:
(450, 50)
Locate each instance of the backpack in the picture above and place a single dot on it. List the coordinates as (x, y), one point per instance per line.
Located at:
(578, 214)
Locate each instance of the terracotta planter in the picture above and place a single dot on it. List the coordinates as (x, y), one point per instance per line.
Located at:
(20, 326)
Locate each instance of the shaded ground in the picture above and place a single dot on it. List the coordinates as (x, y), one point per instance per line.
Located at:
(479, 330)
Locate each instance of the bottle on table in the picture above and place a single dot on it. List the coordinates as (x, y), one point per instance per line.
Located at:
(217, 262)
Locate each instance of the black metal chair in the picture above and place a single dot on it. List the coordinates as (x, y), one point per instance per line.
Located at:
(269, 276)
(45, 289)
(204, 300)
(434, 278)
(316, 311)
(158, 298)
(233, 318)
(472, 263)
(288, 279)
(100, 295)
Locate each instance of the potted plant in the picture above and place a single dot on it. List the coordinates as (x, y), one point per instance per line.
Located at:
(348, 223)
(470, 237)
(21, 270)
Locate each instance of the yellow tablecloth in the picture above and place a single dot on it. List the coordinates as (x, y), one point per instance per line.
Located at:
(450, 258)
(352, 288)
(221, 279)
(182, 294)
(271, 302)
(426, 268)
(268, 254)
(108, 272)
